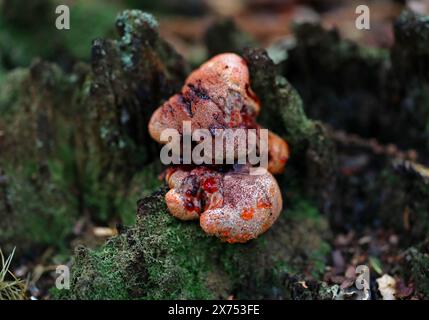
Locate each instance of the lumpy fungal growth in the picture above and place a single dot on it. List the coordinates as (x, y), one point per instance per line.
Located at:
(218, 96)
(229, 202)
(234, 205)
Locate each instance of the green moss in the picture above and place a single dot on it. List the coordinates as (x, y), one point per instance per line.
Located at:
(317, 260)
(302, 210)
(164, 258)
(81, 155)
(305, 215)
(156, 260)
(143, 183)
(38, 158)
(10, 89)
(418, 262)
(313, 154)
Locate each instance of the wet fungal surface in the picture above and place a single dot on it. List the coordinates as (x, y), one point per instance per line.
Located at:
(234, 205)
(230, 202)
(218, 95)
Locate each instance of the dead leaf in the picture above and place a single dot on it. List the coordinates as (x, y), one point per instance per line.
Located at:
(104, 232)
(387, 287)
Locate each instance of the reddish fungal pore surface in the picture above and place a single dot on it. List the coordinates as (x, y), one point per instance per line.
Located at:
(233, 204)
(236, 207)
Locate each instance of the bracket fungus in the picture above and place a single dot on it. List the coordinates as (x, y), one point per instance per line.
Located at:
(230, 202)
(234, 206)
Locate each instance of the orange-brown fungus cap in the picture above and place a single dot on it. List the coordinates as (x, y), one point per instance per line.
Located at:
(218, 96)
(233, 204)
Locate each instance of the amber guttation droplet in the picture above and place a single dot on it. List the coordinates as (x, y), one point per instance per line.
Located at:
(283, 160)
(247, 214)
(224, 234)
(263, 204)
(247, 120)
(210, 185)
(190, 206)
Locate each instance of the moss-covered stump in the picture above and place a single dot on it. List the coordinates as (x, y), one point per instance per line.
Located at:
(405, 195)
(75, 144)
(131, 76)
(339, 81)
(39, 155)
(162, 257)
(350, 86)
(416, 266)
(409, 79)
(313, 161)
(224, 36)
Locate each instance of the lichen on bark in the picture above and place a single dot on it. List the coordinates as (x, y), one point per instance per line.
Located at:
(309, 139)
(131, 76)
(87, 155)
